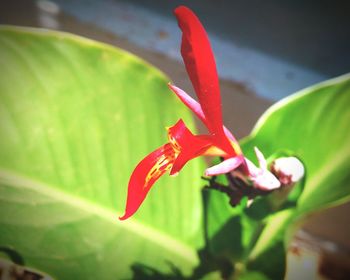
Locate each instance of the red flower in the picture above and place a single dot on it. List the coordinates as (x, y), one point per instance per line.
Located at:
(182, 145)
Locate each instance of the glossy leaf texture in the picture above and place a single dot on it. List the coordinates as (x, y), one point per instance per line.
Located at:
(76, 116)
(313, 125)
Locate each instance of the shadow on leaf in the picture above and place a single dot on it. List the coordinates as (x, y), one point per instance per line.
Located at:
(144, 272)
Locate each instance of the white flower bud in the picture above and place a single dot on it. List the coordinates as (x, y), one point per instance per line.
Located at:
(288, 170)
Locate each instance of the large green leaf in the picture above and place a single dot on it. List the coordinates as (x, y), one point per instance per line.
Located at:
(76, 116)
(314, 125)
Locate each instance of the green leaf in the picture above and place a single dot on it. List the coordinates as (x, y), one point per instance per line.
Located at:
(229, 229)
(268, 255)
(253, 276)
(314, 125)
(76, 117)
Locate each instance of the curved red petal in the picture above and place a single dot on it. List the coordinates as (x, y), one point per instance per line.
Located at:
(201, 68)
(180, 136)
(146, 173)
(200, 65)
(186, 145)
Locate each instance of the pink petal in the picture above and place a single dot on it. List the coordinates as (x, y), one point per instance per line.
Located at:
(195, 107)
(266, 181)
(252, 169)
(262, 178)
(192, 104)
(224, 167)
(261, 158)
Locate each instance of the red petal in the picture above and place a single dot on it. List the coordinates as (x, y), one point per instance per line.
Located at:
(200, 65)
(201, 68)
(186, 155)
(180, 136)
(146, 173)
(196, 108)
(186, 144)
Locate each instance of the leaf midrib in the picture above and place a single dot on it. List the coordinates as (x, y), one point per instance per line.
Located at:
(12, 179)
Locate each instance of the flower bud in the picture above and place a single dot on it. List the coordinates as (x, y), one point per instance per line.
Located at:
(288, 170)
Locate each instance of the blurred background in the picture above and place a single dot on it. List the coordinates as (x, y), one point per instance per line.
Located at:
(265, 50)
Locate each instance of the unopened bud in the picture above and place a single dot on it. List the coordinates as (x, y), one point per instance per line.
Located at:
(288, 170)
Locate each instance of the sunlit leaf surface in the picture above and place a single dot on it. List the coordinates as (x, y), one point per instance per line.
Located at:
(314, 125)
(76, 117)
